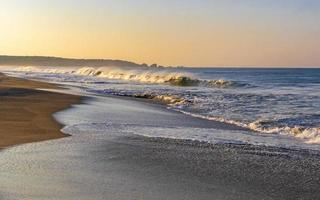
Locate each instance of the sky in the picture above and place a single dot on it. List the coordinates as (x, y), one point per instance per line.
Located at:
(199, 33)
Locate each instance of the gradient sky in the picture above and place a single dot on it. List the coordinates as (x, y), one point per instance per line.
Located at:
(168, 32)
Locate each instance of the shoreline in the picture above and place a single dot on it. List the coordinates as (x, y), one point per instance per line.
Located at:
(104, 158)
(26, 114)
(108, 157)
(56, 88)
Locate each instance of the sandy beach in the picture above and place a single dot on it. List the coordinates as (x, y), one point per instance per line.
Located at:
(26, 113)
(160, 100)
(106, 157)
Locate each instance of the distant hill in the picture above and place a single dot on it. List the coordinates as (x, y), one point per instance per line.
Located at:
(63, 62)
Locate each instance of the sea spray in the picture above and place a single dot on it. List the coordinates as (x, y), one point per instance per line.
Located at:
(143, 74)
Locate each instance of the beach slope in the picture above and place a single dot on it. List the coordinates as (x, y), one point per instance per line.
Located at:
(26, 113)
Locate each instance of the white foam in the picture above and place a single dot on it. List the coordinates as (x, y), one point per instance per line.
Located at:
(59, 70)
(132, 74)
(138, 74)
(309, 135)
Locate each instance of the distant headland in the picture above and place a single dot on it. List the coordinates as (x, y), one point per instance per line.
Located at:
(6, 60)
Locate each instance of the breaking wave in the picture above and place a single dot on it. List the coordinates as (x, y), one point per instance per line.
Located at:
(311, 135)
(144, 75)
(171, 100)
(167, 99)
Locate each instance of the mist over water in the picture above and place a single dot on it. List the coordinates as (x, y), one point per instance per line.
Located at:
(272, 101)
(153, 75)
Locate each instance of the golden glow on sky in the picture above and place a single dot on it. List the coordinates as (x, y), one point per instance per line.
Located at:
(190, 32)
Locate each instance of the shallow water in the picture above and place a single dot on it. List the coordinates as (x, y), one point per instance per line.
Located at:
(150, 120)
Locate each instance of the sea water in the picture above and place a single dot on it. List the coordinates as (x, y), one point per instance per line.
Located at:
(264, 100)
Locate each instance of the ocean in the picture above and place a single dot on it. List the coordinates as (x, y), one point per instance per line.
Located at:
(268, 101)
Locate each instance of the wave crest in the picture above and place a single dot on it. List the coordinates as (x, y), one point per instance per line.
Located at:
(170, 100)
(310, 134)
(187, 81)
(144, 75)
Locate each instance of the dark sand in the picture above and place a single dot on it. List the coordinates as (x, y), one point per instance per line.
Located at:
(201, 171)
(26, 113)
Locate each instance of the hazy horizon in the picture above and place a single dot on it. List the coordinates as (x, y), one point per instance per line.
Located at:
(217, 33)
(149, 64)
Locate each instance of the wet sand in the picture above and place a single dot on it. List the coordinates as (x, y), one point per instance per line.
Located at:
(104, 159)
(26, 113)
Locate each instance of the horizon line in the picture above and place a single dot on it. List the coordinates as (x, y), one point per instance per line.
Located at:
(177, 66)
